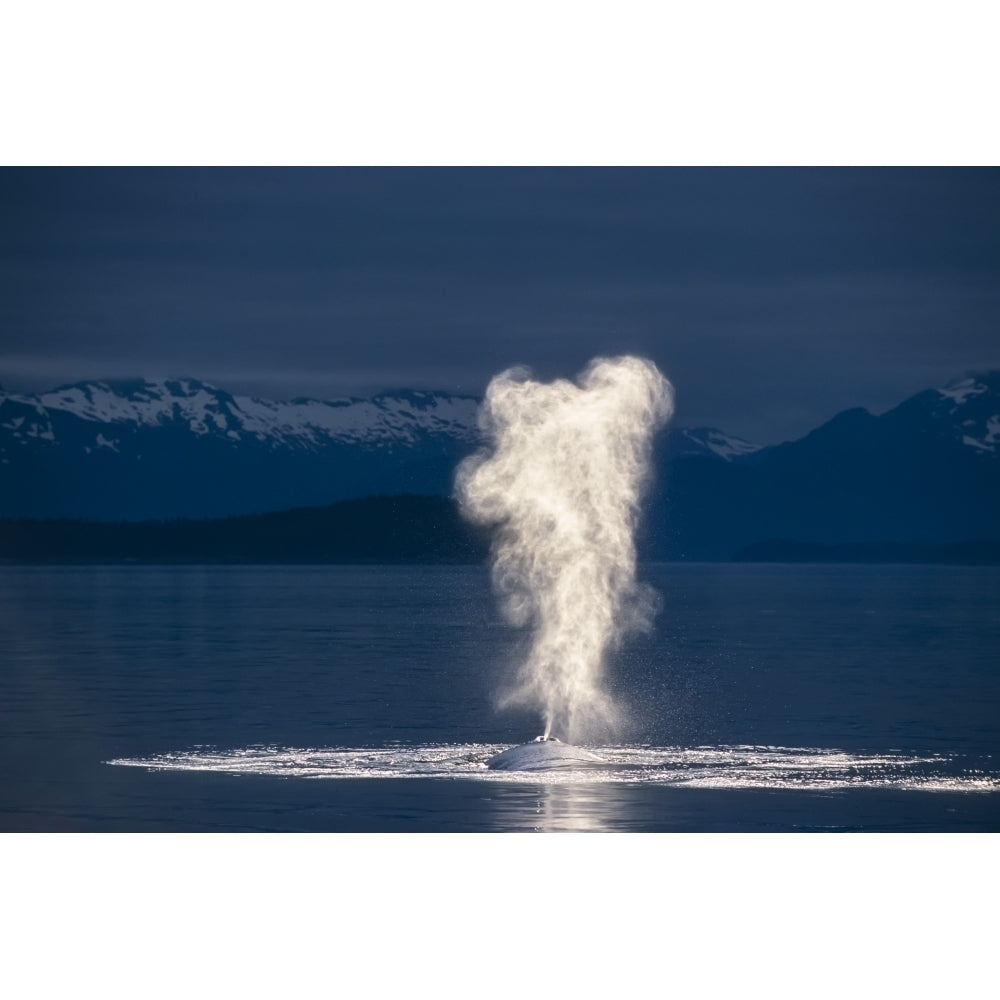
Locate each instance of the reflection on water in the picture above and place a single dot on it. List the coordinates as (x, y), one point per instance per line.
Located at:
(580, 808)
(767, 698)
(448, 787)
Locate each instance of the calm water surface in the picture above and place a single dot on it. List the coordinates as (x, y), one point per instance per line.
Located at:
(361, 699)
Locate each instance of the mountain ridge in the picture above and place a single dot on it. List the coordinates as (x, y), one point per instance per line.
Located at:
(142, 448)
(925, 471)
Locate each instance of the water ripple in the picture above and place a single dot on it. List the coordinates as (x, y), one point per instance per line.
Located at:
(718, 767)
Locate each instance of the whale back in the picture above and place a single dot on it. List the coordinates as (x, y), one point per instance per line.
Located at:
(541, 755)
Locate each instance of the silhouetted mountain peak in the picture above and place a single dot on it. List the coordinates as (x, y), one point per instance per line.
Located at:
(846, 430)
(966, 411)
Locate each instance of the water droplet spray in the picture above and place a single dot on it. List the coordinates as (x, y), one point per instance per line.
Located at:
(560, 482)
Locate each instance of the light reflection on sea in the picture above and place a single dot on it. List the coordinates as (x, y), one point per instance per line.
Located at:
(767, 698)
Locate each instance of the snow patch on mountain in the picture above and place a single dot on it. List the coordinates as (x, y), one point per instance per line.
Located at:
(959, 392)
(989, 441)
(725, 446)
(383, 419)
(38, 431)
(103, 442)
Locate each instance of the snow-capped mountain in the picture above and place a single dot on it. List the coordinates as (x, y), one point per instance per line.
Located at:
(928, 470)
(204, 409)
(181, 447)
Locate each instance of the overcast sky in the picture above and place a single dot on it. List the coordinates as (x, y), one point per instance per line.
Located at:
(771, 298)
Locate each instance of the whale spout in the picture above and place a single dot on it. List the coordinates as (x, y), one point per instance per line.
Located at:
(543, 754)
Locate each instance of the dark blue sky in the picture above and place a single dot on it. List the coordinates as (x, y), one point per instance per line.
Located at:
(772, 298)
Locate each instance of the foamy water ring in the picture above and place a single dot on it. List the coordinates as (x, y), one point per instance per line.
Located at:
(720, 767)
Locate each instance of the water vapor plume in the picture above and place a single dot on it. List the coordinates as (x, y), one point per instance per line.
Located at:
(560, 482)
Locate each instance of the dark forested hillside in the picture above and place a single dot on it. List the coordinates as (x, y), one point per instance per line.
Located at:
(387, 529)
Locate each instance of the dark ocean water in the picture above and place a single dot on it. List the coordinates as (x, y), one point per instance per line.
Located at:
(768, 698)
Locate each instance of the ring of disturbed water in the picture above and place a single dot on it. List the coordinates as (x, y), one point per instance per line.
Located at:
(720, 767)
